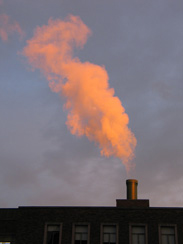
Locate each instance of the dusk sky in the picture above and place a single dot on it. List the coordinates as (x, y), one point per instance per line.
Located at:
(45, 158)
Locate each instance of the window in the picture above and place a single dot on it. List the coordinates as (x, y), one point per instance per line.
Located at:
(109, 234)
(4, 239)
(168, 234)
(81, 234)
(52, 234)
(138, 234)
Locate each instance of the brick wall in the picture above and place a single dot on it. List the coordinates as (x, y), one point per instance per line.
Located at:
(27, 223)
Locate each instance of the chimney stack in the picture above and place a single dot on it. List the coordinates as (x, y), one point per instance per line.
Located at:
(132, 201)
(131, 189)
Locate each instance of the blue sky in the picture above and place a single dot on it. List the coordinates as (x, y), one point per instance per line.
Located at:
(140, 43)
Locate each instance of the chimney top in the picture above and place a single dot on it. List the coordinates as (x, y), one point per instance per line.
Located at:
(131, 189)
(132, 201)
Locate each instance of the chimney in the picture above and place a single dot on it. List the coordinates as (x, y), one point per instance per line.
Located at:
(131, 193)
(131, 190)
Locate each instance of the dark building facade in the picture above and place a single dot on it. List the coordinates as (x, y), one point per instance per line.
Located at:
(131, 221)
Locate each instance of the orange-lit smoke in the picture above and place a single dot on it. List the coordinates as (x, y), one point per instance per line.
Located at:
(93, 110)
(7, 27)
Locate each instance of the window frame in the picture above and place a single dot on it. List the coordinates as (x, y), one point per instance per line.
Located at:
(138, 225)
(10, 238)
(45, 231)
(102, 231)
(167, 225)
(73, 230)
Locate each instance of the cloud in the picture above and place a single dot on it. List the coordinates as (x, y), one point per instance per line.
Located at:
(7, 27)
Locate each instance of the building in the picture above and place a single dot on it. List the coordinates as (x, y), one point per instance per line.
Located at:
(131, 221)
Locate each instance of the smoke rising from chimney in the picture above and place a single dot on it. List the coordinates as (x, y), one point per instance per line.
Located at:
(7, 27)
(93, 109)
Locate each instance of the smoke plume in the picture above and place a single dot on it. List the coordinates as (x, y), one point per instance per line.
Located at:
(7, 27)
(93, 109)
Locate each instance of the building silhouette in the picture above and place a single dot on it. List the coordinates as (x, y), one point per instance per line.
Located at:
(131, 221)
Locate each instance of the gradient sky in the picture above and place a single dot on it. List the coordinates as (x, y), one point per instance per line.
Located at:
(140, 43)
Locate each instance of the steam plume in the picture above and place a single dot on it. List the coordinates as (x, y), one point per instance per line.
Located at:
(7, 27)
(93, 110)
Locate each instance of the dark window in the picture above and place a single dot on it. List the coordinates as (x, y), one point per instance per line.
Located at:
(168, 235)
(109, 234)
(81, 234)
(138, 234)
(53, 233)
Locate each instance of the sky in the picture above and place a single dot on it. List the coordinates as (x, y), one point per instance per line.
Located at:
(139, 47)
